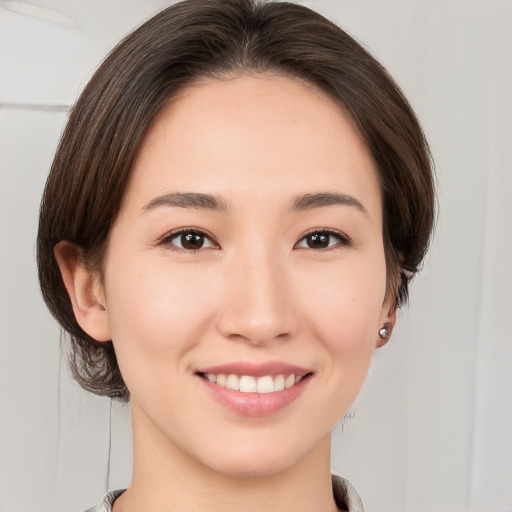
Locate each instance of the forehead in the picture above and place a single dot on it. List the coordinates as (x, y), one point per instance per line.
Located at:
(252, 137)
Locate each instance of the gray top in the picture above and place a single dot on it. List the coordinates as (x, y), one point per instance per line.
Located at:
(345, 496)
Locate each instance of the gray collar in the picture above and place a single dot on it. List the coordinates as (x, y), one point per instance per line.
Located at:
(345, 496)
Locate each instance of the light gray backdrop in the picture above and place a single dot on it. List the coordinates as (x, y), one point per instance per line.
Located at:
(432, 429)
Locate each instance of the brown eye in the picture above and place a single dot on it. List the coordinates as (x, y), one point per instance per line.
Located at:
(323, 240)
(318, 240)
(189, 240)
(192, 241)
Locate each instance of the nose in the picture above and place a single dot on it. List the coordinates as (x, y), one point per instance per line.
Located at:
(258, 307)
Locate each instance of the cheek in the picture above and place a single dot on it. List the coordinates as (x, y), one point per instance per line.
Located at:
(156, 313)
(344, 310)
(345, 313)
(347, 302)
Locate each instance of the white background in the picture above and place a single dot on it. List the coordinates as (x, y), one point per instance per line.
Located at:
(432, 430)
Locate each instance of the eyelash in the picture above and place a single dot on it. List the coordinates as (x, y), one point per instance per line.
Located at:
(173, 235)
(342, 239)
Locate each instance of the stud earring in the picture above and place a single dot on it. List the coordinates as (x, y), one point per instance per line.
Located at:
(385, 332)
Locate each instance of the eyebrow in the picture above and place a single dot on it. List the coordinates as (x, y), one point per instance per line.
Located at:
(323, 199)
(189, 200)
(216, 203)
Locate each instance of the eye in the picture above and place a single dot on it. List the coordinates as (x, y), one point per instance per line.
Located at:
(323, 239)
(189, 240)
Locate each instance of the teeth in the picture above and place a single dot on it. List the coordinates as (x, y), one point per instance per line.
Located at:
(250, 384)
(247, 384)
(279, 383)
(233, 383)
(265, 384)
(290, 381)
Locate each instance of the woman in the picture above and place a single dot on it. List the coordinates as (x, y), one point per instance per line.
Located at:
(233, 215)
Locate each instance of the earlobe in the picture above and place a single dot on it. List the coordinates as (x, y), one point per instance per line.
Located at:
(386, 328)
(85, 291)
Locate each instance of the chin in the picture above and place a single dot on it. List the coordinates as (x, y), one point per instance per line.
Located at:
(252, 469)
(258, 460)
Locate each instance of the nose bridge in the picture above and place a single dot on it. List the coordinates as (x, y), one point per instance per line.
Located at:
(257, 307)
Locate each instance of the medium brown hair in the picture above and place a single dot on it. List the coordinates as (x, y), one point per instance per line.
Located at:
(195, 39)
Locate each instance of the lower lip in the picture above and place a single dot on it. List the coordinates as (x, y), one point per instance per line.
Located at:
(256, 404)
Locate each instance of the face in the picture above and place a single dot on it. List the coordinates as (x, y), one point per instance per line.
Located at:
(245, 277)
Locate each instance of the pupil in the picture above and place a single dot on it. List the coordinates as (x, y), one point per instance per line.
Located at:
(192, 241)
(318, 240)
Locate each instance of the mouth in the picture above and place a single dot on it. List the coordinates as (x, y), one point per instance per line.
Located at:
(255, 389)
(252, 384)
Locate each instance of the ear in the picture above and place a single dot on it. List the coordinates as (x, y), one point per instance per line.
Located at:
(388, 322)
(85, 291)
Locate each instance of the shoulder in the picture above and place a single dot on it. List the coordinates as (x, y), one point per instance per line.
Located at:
(345, 495)
(105, 505)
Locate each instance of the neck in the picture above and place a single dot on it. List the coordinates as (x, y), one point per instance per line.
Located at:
(165, 478)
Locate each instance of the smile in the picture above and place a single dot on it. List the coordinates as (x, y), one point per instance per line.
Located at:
(251, 384)
(255, 389)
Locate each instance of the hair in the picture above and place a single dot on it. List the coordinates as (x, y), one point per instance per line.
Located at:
(184, 43)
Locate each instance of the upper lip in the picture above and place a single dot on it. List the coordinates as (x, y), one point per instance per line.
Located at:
(256, 369)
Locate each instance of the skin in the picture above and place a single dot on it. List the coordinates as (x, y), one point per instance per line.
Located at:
(254, 292)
